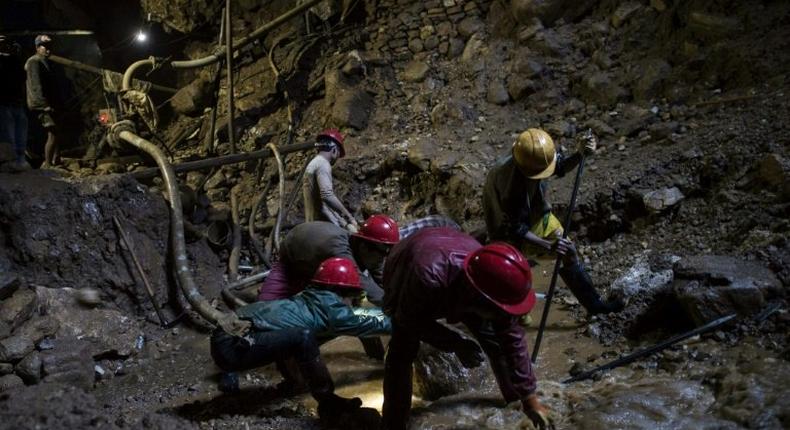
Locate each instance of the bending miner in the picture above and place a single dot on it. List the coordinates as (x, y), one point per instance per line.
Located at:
(293, 329)
(443, 273)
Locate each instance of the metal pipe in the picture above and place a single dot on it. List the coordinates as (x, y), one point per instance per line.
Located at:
(215, 93)
(98, 71)
(249, 280)
(127, 75)
(223, 160)
(256, 242)
(653, 349)
(228, 321)
(257, 34)
(229, 64)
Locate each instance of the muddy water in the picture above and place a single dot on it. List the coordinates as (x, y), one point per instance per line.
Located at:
(721, 387)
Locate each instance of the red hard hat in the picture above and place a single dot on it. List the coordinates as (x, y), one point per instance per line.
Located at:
(337, 137)
(337, 272)
(501, 274)
(380, 229)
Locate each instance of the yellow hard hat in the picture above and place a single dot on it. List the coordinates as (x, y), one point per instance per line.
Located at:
(534, 154)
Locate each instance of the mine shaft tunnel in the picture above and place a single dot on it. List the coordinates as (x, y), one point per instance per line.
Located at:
(311, 214)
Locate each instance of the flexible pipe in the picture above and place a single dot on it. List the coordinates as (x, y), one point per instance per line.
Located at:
(257, 34)
(281, 205)
(228, 321)
(127, 75)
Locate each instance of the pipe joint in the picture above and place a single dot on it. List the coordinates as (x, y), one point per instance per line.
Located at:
(114, 136)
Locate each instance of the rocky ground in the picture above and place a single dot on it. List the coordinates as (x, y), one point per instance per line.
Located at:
(683, 210)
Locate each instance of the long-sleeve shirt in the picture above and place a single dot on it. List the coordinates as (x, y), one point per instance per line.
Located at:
(422, 277)
(42, 91)
(317, 190)
(321, 311)
(301, 252)
(513, 203)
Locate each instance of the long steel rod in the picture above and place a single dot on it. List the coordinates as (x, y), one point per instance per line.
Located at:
(98, 71)
(223, 160)
(148, 288)
(651, 350)
(553, 284)
(229, 64)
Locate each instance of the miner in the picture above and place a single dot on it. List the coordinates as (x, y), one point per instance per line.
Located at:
(294, 328)
(517, 211)
(308, 244)
(13, 120)
(443, 273)
(43, 96)
(320, 201)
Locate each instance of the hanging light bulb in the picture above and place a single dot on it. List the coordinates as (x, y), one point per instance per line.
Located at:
(141, 37)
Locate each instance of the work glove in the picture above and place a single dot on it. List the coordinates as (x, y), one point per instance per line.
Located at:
(588, 143)
(470, 353)
(537, 413)
(352, 227)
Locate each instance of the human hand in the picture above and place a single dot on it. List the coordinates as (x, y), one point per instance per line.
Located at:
(537, 412)
(353, 227)
(470, 353)
(588, 143)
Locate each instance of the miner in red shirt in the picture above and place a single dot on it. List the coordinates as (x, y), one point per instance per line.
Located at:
(443, 273)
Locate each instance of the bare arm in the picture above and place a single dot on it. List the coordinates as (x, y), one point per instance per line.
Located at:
(328, 197)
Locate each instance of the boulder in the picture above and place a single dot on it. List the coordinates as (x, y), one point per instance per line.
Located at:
(711, 26)
(10, 381)
(352, 108)
(14, 348)
(193, 98)
(9, 284)
(497, 92)
(29, 369)
(455, 48)
(547, 11)
(438, 374)
(773, 171)
(469, 26)
(415, 71)
(70, 362)
(107, 331)
(599, 88)
(624, 12)
(652, 75)
(660, 200)
(712, 286)
(519, 87)
(18, 308)
(6, 368)
(640, 279)
(453, 110)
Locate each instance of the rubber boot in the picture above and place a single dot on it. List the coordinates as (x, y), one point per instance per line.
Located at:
(293, 383)
(374, 347)
(330, 406)
(581, 285)
(229, 382)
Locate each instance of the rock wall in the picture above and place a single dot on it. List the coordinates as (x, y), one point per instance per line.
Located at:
(408, 28)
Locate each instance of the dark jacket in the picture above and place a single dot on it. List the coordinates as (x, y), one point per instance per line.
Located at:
(301, 252)
(42, 87)
(513, 203)
(421, 282)
(12, 80)
(321, 311)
